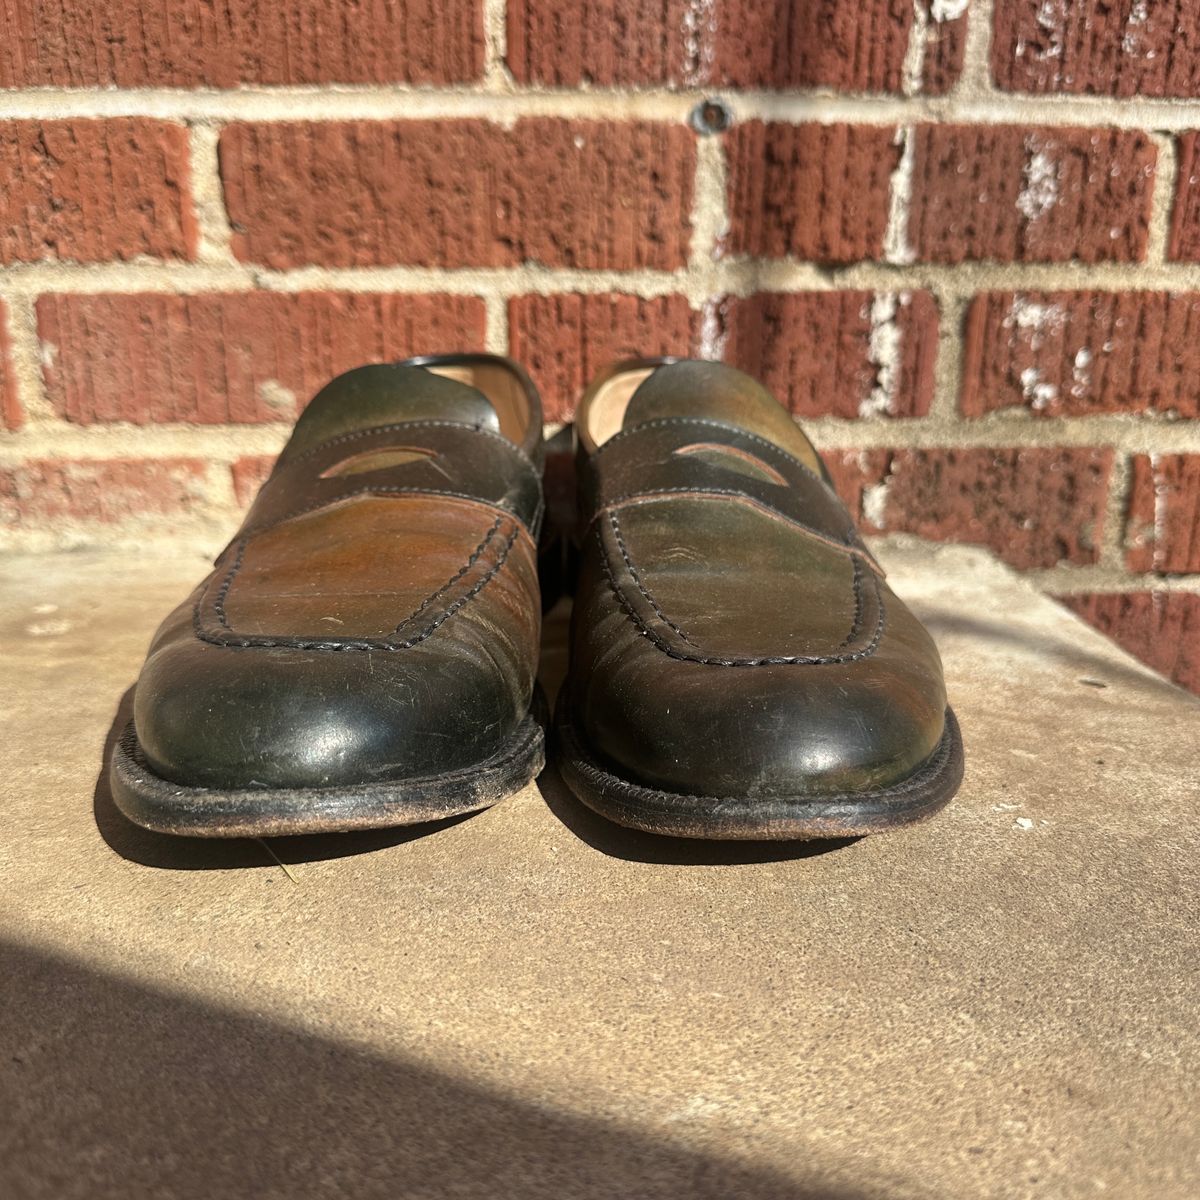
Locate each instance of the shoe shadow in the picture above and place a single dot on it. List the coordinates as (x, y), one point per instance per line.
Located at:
(171, 853)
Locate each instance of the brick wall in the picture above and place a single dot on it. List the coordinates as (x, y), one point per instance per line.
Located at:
(961, 238)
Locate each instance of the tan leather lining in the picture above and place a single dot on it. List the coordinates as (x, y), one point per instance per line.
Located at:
(504, 391)
(605, 413)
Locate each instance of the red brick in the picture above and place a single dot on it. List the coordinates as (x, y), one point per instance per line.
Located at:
(565, 340)
(103, 490)
(842, 354)
(853, 473)
(1160, 628)
(1121, 48)
(730, 43)
(816, 192)
(1034, 507)
(1074, 353)
(249, 473)
(215, 358)
(94, 190)
(1029, 194)
(11, 416)
(1162, 527)
(460, 193)
(1184, 238)
(184, 43)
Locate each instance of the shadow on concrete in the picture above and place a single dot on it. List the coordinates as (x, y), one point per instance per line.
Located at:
(110, 1088)
(172, 853)
(1092, 671)
(636, 846)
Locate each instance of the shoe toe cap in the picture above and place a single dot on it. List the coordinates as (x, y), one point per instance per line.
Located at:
(776, 730)
(219, 717)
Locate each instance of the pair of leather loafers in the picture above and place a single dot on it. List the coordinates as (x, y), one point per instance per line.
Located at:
(365, 651)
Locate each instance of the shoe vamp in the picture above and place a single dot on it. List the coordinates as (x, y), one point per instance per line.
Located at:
(360, 569)
(736, 581)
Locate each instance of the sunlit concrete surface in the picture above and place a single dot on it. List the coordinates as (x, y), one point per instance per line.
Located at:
(532, 1003)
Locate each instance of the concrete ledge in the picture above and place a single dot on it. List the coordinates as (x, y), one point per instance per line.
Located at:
(532, 1003)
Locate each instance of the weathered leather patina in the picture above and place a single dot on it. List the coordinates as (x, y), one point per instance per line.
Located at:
(364, 652)
(739, 666)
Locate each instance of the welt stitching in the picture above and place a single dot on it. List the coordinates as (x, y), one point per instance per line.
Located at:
(246, 643)
(668, 422)
(641, 587)
(798, 660)
(471, 561)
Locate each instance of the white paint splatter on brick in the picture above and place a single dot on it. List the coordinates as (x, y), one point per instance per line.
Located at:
(874, 504)
(885, 351)
(1052, 18)
(896, 246)
(1131, 43)
(1040, 193)
(713, 331)
(912, 70)
(1036, 390)
(275, 396)
(948, 10)
(699, 27)
(1081, 372)
(1035, 319)
(48, 355)
(1162, 493)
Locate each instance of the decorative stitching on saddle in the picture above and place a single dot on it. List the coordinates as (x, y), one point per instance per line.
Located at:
(641, 587)
(765, 661)
(256, 641)
(668, 422)
(856, 622)
(471, 561)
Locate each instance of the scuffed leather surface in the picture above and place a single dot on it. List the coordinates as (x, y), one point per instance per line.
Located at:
(384, 626)
(734, 641)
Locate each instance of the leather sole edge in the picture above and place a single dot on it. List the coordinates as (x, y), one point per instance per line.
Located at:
(162, 806)
(771, 818)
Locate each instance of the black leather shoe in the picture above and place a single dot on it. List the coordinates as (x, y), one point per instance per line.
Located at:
(364, 653)
(739, 668)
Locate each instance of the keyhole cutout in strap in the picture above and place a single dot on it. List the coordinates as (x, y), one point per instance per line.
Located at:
(377, 460)
(733, 458)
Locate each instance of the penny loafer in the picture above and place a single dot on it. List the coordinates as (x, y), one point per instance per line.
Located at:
(364, 653)
(739, 667)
